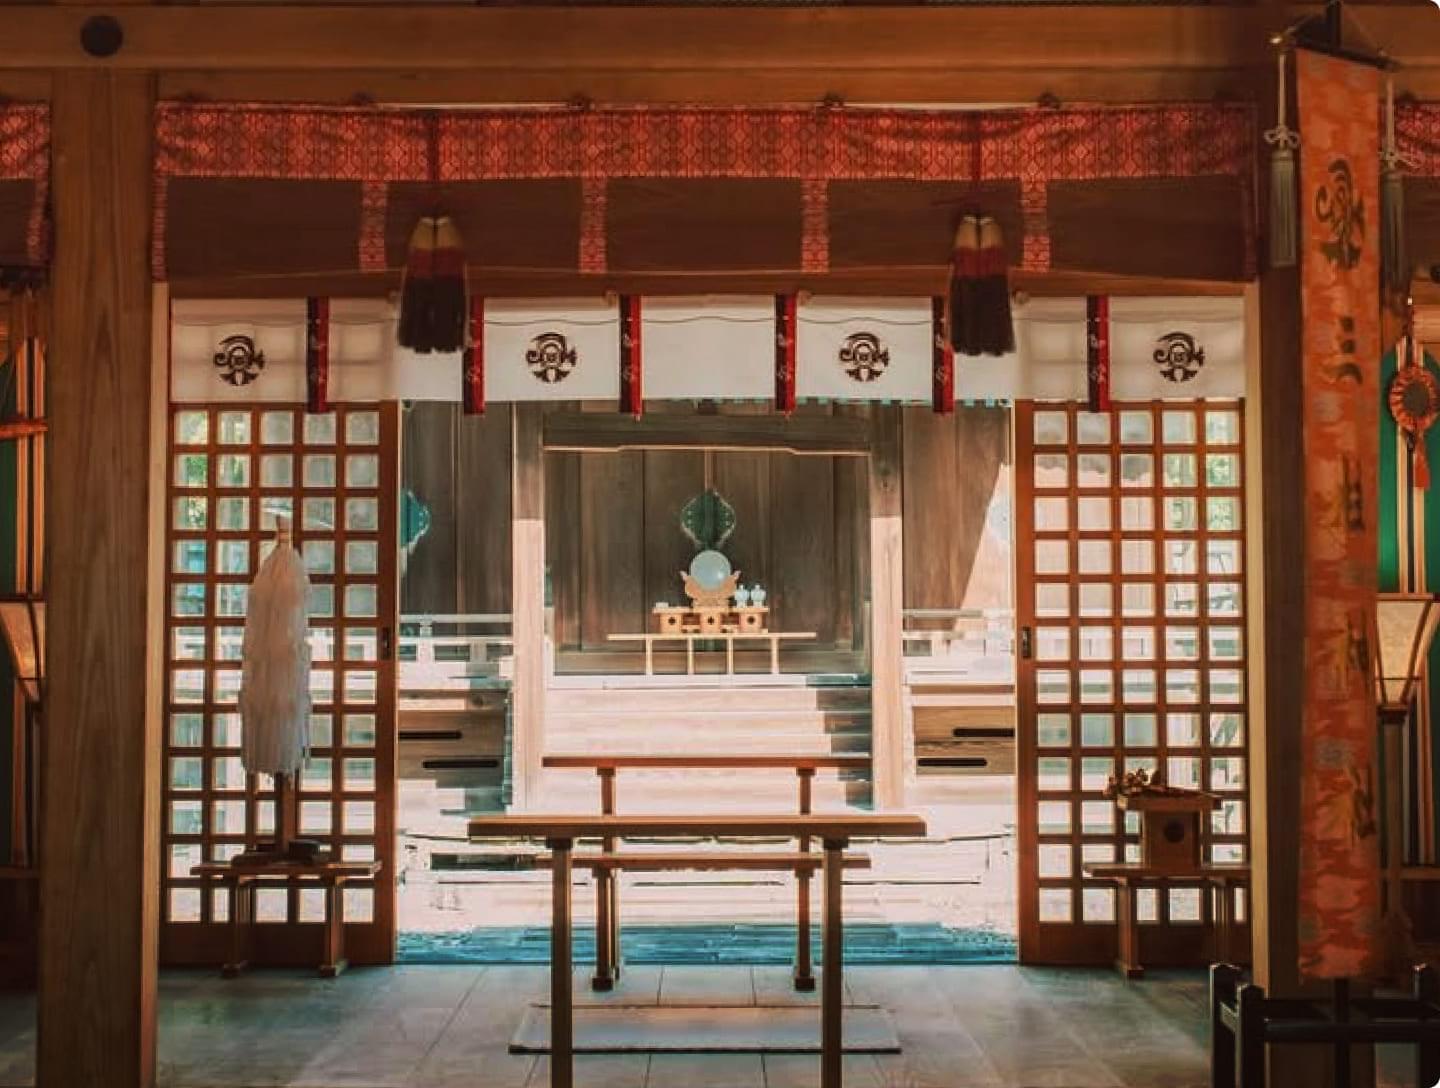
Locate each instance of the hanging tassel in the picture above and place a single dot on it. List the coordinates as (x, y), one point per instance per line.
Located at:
(785, 322)
(317, 355)
(1097, 353)
(1394, 271)
(980, 320)
(632, 389)
(1283, 140)
(473, 378)
(943, 359)
(432, 294)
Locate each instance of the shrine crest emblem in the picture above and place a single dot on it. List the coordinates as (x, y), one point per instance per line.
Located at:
(238, 360)
(551, 358)
(864, 356)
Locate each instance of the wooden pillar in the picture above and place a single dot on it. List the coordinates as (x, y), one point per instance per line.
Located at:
(887, 600)
(527, 520)
(99, 826)
(1275, 596)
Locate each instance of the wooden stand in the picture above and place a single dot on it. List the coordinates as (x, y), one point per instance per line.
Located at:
(242, 880)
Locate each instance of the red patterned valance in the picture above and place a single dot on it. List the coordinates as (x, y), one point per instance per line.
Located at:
(299, 189)
(24, 182)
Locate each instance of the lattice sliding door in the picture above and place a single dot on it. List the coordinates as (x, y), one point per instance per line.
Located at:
(233, 469)
(1130, 604)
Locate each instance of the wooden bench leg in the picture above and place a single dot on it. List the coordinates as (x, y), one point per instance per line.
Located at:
(562, 1012)
(604, 932)
(832, 970)
(804, 968)
(242, 918)
(1128, 961)
(334, 961)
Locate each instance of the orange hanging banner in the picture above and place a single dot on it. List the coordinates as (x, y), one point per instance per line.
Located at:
(1339, 201)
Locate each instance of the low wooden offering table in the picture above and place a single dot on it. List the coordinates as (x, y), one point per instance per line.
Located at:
(607, 884)
(1221, 882)
(243, 879)
(560, 832)
(689, 638)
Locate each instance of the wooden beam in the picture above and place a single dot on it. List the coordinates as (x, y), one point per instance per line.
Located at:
(532, 654)
(901, 41)
(99, 828)
(871, 282)
(734, 87)
(596, 432)
(888, 741)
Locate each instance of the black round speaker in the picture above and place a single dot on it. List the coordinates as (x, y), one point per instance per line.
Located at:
(1174, 830)
(102, 36)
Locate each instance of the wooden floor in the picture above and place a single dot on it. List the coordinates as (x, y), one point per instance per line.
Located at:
(448, 1027)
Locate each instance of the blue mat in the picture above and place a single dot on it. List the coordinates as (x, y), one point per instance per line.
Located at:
(865, 944)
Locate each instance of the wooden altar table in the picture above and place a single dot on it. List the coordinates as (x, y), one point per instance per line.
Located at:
(649, 638)
(560, 832)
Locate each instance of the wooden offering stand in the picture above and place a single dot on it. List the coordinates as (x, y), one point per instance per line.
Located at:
(1169, 826)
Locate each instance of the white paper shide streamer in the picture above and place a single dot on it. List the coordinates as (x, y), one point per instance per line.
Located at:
(275, 682)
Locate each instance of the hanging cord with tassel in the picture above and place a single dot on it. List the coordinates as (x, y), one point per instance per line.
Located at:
(1394, 271)
(1283, 141)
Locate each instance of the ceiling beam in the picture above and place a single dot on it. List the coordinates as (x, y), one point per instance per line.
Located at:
(870, 283)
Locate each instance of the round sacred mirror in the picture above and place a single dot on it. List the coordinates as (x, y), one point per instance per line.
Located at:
(710, 569)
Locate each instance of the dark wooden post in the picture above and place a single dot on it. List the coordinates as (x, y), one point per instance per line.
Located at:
(562, 1011)
(804, 967)
(832, 969)
(1425, 987)
(100, 764)
(1223, 980)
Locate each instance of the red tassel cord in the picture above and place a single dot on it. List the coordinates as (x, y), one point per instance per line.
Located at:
(1097, 352)
(632, 386)
(473, 377)
(317, 355)
(980, 318)
(785, 326)
(943, 359)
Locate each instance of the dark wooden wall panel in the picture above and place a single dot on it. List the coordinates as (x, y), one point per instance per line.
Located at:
(802, 545)
(672, 478)
(952, 466)
(482, 504)
(612, 544)
(428, 466)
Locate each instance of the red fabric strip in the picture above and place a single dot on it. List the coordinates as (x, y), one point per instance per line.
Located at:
(317, 355)
(944, 358)
(785, 322)
(1097, 352)
(632, 369)
(473, 380)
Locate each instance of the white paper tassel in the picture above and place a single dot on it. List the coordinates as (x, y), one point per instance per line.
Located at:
(275, 683)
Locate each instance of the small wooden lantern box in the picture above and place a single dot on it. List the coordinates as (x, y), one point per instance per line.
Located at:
(1170, 827)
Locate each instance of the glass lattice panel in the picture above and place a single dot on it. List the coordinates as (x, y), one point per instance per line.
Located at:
(1133, 591)
(234, 470)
